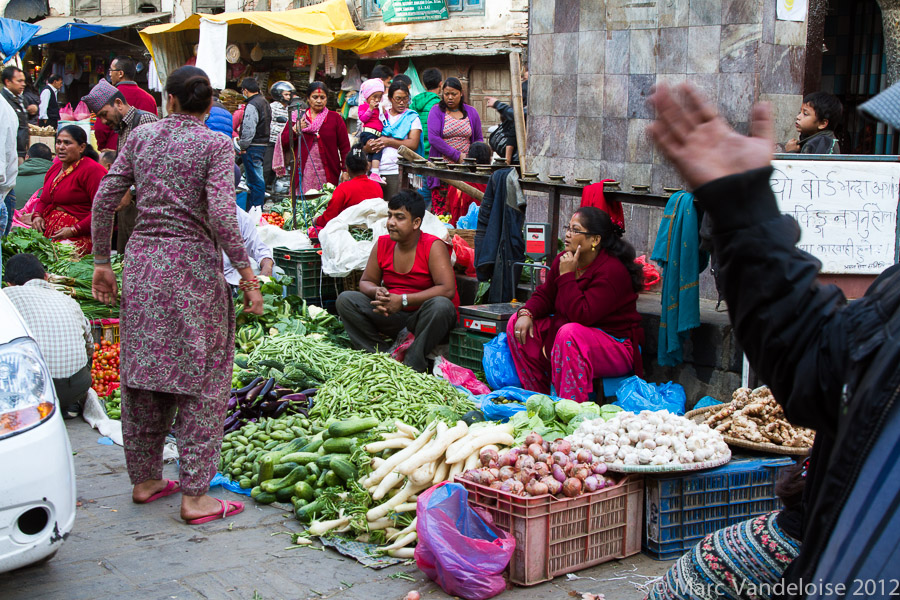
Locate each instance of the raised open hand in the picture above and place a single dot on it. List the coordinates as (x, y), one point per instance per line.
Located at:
(700, 144)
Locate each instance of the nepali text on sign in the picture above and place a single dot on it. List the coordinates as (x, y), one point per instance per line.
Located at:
(410, 11)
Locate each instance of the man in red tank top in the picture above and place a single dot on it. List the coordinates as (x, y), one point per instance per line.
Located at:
(408, 283)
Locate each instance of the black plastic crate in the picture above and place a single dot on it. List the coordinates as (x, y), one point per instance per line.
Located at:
(305, 267)
(467, 348)
(682, 509)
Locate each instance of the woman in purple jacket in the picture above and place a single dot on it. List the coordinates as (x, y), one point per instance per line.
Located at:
(453, 126)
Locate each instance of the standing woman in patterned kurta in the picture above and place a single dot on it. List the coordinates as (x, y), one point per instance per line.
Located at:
(177, 317)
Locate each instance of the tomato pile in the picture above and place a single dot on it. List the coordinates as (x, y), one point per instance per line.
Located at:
(105, 371)
(274, 219)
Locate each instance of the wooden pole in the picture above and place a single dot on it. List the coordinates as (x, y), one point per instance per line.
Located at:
(515, 81)
(460, 185)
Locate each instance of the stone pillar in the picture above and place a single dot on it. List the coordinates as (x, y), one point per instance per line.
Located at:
(890, 23)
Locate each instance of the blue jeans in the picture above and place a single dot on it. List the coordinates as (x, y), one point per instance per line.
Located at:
(253, 170)
(10, 205)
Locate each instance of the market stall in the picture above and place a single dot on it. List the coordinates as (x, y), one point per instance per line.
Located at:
(325, 25)
(371, 457)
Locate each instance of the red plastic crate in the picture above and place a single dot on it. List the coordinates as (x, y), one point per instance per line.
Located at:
(559, 536)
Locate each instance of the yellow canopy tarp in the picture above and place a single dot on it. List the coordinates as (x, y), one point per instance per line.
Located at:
(325, 24)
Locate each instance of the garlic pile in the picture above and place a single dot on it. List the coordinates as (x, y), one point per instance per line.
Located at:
(649, 438)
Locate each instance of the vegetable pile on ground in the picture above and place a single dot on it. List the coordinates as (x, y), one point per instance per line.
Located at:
(264, 398)
(755, 416)
(275, 219)
(307, 209)
(538, 467)
(70, 276)
(105, 368)
(655, 438)
(554, 420)
(379, 386)
(114, 404)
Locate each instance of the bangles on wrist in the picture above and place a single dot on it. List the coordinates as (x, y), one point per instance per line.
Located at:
(524, 312)
(101, 261)
(247, 285)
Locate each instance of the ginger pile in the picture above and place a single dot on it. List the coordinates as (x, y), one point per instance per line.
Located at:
(755, 416)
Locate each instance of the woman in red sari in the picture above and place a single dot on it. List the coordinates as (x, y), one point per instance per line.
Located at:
(63, 211)
(323, 141)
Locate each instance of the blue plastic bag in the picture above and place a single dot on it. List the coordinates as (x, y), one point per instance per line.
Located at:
(460, 549)
(498, 364)
(502, 412)
(470, 219)
(635, 395)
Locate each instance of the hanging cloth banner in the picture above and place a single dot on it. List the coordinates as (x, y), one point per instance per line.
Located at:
(411, 11)
(211, 51)
(791, 10)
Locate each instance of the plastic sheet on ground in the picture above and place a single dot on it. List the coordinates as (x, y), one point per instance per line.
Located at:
(276, 237)
(231, 486)
(341, 254)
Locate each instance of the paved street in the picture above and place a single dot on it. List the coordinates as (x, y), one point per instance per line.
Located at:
(118, 549)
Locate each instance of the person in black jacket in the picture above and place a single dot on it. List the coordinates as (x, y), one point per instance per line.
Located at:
(503, 139)
(833, 365)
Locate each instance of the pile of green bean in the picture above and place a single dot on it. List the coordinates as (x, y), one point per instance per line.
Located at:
(310, 349)
(379, 386)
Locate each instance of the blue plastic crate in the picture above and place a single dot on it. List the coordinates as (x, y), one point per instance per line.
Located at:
(682, 509)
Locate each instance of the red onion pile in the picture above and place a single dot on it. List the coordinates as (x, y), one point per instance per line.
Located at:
(539, 467)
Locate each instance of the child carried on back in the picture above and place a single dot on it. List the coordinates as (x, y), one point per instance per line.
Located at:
(370, 94)
(819, 117)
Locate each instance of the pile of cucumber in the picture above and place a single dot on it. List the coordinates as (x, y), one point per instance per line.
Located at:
(292, 460)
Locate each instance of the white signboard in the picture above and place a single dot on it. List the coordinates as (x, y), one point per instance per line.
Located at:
(847, 211)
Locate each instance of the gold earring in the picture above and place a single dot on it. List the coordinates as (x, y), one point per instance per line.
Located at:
(594, 247)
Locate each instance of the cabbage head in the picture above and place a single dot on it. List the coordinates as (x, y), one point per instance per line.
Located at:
(567, 409)
(542, 406)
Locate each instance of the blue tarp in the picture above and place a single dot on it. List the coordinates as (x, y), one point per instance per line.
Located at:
(71, 31)
(15, 35)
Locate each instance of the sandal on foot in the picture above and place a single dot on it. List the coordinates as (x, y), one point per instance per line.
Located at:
(172, 487)
(238, 508)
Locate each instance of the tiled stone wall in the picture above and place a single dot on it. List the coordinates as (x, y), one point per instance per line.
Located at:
(592, 64)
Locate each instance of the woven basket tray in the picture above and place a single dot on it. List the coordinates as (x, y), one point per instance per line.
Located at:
(466, 234)
(351, 281)
(699, 416)
(709, 464)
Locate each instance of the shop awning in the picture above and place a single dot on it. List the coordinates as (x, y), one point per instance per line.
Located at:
(66, 29)
(14, 35)
(325, 24)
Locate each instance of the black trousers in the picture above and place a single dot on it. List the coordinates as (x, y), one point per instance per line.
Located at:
(71, 391)
(372, 332)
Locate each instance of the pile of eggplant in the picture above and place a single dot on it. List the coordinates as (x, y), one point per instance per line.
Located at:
(264, 398)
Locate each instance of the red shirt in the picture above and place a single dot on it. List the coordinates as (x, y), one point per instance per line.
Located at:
(74, 194)
(419, 277)
(350, 193)
(107, 139)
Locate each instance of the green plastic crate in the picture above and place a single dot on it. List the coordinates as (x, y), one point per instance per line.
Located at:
(467, 348)
(305, 267)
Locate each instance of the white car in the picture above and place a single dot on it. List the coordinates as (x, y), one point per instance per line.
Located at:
(37, 473)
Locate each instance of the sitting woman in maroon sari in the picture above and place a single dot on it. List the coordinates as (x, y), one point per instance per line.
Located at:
(582, 323)
(63, 211)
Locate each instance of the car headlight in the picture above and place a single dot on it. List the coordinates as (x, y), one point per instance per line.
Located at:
(27, 396)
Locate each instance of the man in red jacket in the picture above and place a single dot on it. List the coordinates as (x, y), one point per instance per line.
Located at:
(122, 72)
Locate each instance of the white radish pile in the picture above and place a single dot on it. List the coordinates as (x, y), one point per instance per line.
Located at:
(650, 438)
(421, 460)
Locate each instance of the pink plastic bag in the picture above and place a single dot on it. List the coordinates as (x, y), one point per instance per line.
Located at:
(459, 548)
(66, 113)
(458, 375)
(82, 112)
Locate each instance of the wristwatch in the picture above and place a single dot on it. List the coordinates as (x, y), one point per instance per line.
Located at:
(405, 301)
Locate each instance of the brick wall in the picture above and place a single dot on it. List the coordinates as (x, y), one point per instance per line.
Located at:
(592, 64)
